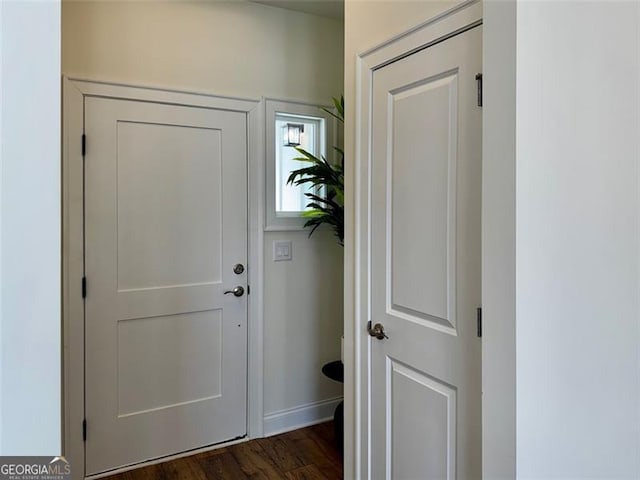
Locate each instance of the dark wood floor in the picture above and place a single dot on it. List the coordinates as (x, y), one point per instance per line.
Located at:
(308, 453)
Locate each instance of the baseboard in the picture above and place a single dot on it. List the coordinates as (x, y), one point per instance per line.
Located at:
(300, 416)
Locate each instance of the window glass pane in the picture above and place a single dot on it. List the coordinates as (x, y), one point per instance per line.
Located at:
(290, 199)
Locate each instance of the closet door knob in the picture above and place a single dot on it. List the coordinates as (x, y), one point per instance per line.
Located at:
(377, 331)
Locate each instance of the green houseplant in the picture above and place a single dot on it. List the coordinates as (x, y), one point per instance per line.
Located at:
(327, 208)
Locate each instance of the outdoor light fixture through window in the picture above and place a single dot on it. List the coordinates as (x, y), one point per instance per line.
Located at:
(290, 126)
(292, 133)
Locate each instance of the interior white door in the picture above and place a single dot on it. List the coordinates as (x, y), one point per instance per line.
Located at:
(425, 264)
(165, 223)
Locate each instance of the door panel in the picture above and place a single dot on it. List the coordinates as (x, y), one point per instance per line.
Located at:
(165, 220)
(425, 263)
(433, 430)
(148, 377)
(175, 197)
(423, 166)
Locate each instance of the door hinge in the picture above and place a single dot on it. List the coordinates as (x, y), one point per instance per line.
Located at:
(84, 430)
(479, 321)
(248, 289)
(479, 82)
(84, 144)
(84, 287)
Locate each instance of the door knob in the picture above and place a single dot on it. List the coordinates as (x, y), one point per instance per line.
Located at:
(377, 330)
(238, 291)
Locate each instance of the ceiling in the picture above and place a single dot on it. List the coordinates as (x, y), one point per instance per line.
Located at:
(323, 8)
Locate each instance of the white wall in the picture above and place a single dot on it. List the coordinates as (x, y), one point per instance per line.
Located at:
(577, 240)
(1, 137)
(233, 48)
(303, 325)
(30, 365)
(245, 50)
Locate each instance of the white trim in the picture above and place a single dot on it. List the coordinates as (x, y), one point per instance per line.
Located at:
(461, 17)
(274, 223)
(357, 358)
(255, 359)
(299, 417)
(74, 92)
(72, 272)
(499, 240)
(96, 88)
(304, 103)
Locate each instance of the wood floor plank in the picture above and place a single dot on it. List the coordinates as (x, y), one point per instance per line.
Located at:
(184, 469)
(326, 445)
(280, 453)
(308, 472)
(254, 462)
(331, 473)
(307, 453)
(222, 467)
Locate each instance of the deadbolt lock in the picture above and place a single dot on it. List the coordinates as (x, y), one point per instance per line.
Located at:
(238, 268)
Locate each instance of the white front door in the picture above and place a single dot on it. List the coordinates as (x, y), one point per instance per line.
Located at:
(165, 223)
(425, 264)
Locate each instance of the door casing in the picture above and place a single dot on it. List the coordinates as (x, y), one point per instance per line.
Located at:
(460, 18)
(74, 93)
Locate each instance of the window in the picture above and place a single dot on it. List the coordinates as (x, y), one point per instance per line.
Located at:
(289, 125)
(290, 199)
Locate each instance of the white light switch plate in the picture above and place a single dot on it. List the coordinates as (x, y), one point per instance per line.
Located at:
(281, 250)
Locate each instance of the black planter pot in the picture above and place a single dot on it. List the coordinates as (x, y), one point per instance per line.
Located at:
(335, 371)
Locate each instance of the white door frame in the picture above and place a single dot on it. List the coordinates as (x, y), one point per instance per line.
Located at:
(462, 17)
(74, 93)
